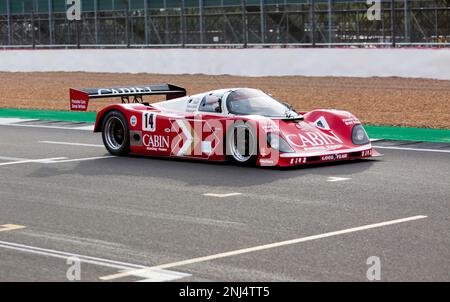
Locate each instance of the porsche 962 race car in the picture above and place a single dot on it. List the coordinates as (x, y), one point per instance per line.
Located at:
(241, 125)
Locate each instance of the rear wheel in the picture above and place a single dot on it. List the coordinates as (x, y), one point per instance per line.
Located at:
(116, 134)
(242, 144)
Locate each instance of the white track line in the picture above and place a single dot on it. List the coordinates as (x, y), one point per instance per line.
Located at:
(82, 128)
(412, 149)
(54, 160)
(41, 161)
(335, 179)
(264, 247)
(86, 128)
(72, 144)
(12, 158)
(222, 195)
(13, 120)
(11, 227)
(64, 255)
(150, 276)
(80, 159)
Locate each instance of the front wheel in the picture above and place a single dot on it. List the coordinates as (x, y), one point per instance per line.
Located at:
(242, 144)
(116, 134)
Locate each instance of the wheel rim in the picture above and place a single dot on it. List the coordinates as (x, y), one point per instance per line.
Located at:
(115, 133)
(241, 152)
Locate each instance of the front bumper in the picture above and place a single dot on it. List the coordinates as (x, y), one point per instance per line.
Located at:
(298, 159)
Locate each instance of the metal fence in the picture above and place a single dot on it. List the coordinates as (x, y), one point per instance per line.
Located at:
(224, 23)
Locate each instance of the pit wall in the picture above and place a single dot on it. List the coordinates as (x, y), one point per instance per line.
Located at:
(414, 63)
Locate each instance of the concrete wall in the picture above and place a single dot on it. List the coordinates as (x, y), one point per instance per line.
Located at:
(415, 63)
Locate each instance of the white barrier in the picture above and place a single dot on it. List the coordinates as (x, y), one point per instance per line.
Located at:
(415, 63)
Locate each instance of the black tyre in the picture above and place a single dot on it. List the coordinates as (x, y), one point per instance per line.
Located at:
(242, 144)
(116, 134)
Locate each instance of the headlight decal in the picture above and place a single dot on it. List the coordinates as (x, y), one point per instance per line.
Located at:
(359, 135)
(276, 142)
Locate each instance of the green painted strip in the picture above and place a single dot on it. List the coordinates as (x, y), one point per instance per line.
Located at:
(381, 132)
(66, 116)
(409, 134)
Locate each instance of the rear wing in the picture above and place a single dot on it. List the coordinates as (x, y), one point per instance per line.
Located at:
(79, 98)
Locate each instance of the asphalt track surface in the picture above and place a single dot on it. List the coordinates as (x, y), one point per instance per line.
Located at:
(136, 212)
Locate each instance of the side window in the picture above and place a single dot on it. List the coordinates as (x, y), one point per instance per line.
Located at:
(211, 103)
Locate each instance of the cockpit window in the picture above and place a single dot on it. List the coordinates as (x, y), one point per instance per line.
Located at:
(211, 103)
(246, 101)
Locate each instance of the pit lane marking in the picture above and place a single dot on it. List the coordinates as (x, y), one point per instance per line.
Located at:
(264, 247)
(150, 276)
(335, 179)
(11, 227)
(72, 144)
(222, 195)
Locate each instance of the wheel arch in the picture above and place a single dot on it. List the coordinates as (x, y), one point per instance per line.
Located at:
(252, 124)
(103, 113)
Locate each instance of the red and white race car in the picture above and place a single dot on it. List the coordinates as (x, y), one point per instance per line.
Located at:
(242, 125)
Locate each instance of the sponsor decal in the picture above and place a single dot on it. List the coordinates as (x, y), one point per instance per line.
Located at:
(149, 121)
(351, 121)
(182, 144)
(321, 148)
(298, 160)
(266, 162)
(366, 153)
(192, 104)
(313, 139)
(156, 142)
(334, 157)
(78, 105)
(124, 90)
(196, 138)
(133, 121)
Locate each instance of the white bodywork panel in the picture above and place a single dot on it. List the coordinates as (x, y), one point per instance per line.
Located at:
(188, 104)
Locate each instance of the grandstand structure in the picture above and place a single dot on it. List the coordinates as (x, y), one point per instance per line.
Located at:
(223, 23)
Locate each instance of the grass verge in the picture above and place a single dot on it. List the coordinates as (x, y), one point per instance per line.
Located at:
(380, 132)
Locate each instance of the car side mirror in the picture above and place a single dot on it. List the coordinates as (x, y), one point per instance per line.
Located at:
(218, 109)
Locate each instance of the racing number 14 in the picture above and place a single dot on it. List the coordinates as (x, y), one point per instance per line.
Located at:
(148, 121)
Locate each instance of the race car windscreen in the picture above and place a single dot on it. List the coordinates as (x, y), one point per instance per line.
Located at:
(247, 101)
